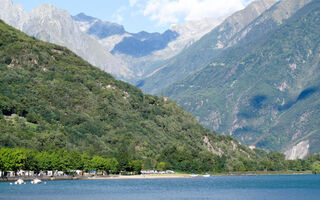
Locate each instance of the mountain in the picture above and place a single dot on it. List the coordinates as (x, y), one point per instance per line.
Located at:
(132, 44)
(143, 43)
(51, 99)
(13, 14)
(263, 90)
(127, 56)
(200, 53)
(97, 27)
(144, 52)
(51, 24)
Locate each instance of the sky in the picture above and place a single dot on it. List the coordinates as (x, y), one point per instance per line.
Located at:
(148, 15)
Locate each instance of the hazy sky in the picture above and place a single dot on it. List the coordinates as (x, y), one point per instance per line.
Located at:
(149, 15)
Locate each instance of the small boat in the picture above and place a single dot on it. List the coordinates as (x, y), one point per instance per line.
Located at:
(193, 175)
(206, 175)
(36, 181)
(19, 182)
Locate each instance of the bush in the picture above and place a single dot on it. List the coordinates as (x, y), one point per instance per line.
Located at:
(32, 118)
(8, 60)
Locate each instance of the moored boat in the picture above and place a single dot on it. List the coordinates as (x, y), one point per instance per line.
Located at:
(36, 181)
(193, 175)
(206, 175)
(19, 182)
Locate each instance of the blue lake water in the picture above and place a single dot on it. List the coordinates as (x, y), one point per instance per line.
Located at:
(271, 187)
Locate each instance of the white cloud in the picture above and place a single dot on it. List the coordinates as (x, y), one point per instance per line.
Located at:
(135, 2)
(118, 16)
(172, 11)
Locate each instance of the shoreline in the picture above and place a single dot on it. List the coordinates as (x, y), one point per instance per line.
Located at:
(151, 176)
(264, 173)
(126, 177)
(114, 177)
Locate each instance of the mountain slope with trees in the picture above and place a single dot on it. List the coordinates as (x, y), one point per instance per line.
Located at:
(264, 91)
(51, 99)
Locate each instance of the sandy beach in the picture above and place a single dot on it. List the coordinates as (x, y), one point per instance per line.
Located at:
(151, 176)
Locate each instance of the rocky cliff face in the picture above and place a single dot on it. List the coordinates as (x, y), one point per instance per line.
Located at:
(264, 89)
(269, 20)
(13, 14)
(300, 151)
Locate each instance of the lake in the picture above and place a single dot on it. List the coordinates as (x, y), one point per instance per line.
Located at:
(268, 187)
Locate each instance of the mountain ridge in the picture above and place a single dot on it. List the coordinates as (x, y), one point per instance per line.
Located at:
(154, 48)
(200, 52)
(130, 67)
(262, 93)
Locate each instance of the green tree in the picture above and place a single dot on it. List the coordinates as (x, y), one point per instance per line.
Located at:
(31, 162)
(111, 165)
(136, 166)
(316, 167)
(44, 160)
(267, 164)
(124, 161)
(278, 161)
(162, 166)
(75, 160)
(32, 117)
(12, 159)
(237, 165)
(98, 163)
(86, 162)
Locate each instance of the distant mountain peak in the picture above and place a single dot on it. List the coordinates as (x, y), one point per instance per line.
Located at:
(97, 27)
(144, 43)
(48, 10)
(6, 2)
(83, 17)
(8, 8)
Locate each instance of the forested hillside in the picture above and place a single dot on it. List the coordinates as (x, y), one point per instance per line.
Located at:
(50, 99)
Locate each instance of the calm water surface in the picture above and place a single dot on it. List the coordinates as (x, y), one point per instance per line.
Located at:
(272, 187)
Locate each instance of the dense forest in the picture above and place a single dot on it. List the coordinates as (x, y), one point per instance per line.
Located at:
(14, 159)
